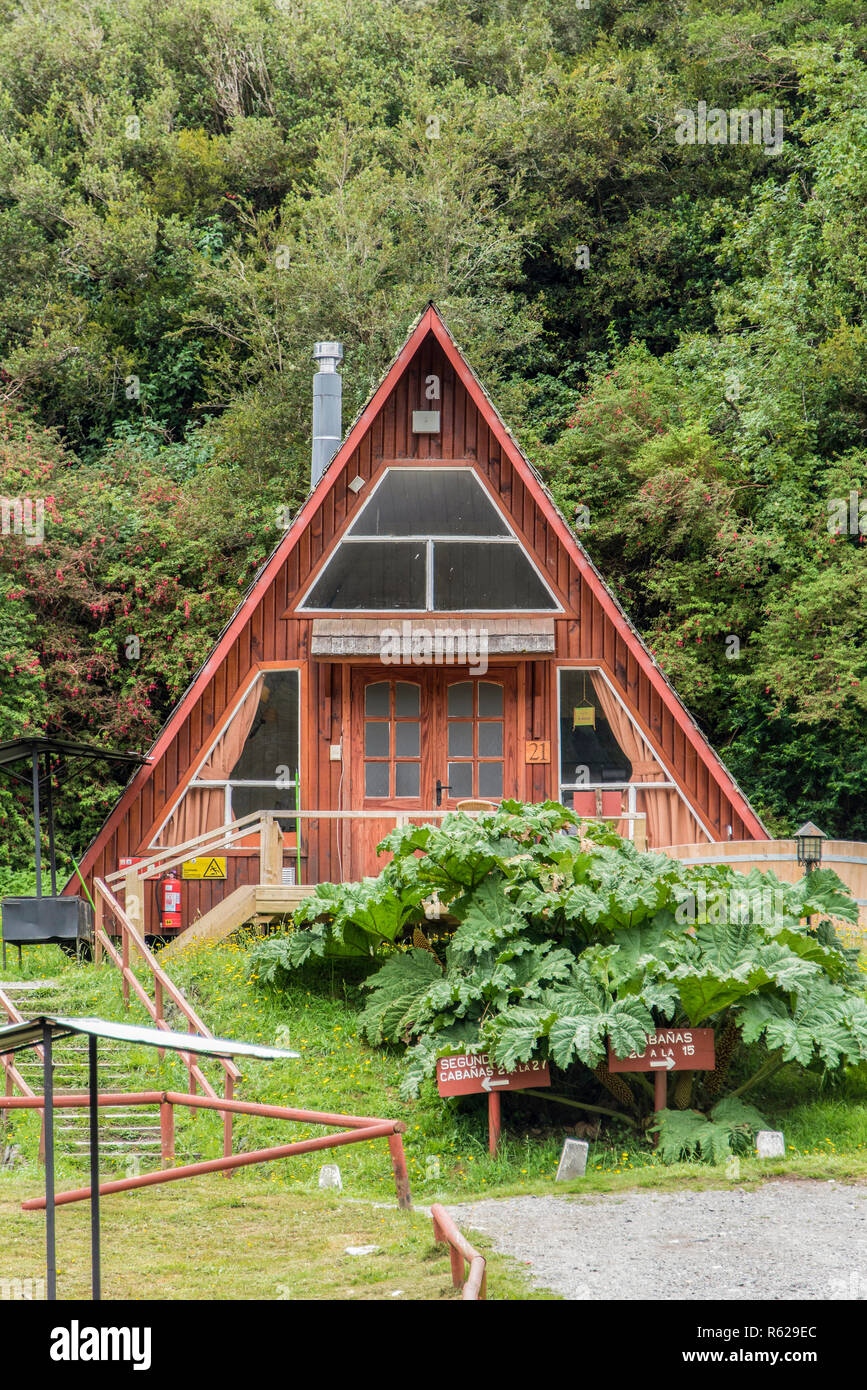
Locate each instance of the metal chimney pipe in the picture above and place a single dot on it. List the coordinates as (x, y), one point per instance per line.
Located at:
(327, 407)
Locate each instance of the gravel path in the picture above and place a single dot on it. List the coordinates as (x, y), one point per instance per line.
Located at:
(800, 1240)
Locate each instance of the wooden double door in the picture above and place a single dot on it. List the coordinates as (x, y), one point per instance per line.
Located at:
(425, 740)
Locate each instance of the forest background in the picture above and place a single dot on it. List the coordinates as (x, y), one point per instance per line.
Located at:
(192, 192)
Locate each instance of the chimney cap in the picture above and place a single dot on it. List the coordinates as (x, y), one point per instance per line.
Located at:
(328, 354)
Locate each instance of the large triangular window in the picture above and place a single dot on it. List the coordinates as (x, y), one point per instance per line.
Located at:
(430, 539)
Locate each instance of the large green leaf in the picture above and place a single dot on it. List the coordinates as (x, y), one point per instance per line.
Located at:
(372, 907)
(707, 990)
(487, 919)
(730, 1128)
(819, 1022)
(516, 1035)
(396, 991)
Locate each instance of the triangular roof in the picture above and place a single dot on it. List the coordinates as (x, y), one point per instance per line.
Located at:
(431, 325)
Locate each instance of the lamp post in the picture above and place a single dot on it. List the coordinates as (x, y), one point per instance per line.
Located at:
(808, 841)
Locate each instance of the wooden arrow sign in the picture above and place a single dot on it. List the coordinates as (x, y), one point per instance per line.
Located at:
(671, 1049)
(474, 1072)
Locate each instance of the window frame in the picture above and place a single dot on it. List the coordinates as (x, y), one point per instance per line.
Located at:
(429, 540)
(392, 759)
(631, 788)
(264, 670)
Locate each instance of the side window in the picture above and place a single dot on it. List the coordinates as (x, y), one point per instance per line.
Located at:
(590, 755)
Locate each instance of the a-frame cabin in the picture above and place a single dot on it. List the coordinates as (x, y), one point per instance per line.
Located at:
(428, 631)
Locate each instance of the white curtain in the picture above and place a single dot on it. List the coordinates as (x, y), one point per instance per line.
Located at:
(202, 809)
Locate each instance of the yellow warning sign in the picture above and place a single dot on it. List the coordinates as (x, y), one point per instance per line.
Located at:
(204, 868)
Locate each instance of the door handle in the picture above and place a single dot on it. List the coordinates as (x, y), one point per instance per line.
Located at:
(441, 787)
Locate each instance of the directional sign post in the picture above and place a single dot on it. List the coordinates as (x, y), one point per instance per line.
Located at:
(669, 1049)
(475, 1072)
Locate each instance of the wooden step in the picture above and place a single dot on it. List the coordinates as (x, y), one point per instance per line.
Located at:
(259, 902)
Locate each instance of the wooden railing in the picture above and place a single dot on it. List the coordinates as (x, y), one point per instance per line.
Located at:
(266, 825)
(164, 988)
(461, 1253)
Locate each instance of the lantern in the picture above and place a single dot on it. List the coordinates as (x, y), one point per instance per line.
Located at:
(809, 845)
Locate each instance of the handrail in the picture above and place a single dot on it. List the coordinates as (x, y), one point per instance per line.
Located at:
(446, 1232)
(163, 985)
(224, 836)
(219, 838)
(13, 1075)
(160, 976)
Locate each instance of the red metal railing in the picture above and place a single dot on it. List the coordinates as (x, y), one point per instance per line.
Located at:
(361, 1128)
(460, 1253)
(163, 987)
(11, 1073)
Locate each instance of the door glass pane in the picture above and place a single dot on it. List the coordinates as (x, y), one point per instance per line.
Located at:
(461, 779)
(373, 575)
(376, 779)
(406, 740)
(491, 739)
(406, 700)
(460, 740)
(406, 779)
(376, 740)
(376, 699)
(482, 576)
(490, 698)
(461, 699)
(490, 779)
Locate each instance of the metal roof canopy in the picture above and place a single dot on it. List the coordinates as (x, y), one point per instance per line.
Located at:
(32, 747)
(44, 1029)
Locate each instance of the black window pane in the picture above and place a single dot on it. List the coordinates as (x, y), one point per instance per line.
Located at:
(406, 700)
(406, 740)
(406, 779)
(376, 740)
(490, 698)
(429, 502)
(246, 800)
(490, 779)
(372, 575)
(460, 740)
(460, 779)
(460, 699)
(376, 779)
(272, 742)
(376, 699)
(470, 577)
(587, 753)
(491, 739)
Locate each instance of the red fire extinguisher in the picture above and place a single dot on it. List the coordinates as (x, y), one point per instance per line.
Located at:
(169, 902)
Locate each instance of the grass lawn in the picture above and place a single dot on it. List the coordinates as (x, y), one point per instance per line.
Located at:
(825, 1124)
(218, 1238)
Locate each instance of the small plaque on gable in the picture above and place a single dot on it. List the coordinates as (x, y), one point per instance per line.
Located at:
(425, 422)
